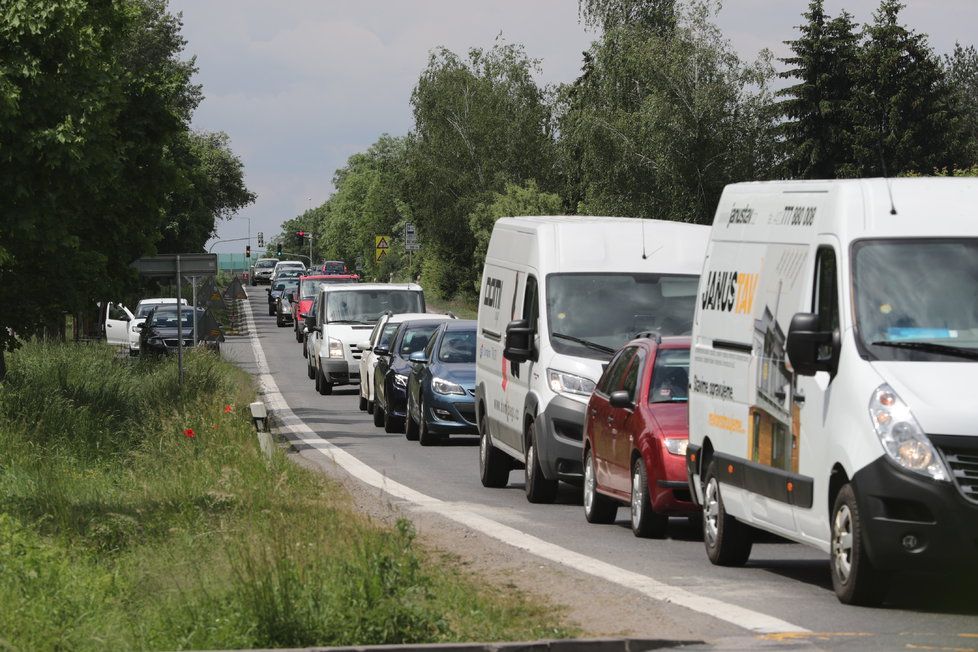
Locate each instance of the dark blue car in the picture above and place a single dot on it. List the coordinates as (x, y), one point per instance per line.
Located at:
(441, 387)
(393, 369)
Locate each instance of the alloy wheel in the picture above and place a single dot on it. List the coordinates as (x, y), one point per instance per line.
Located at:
(842, 542)
(711, 512)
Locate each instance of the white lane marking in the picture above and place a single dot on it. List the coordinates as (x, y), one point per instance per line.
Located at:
(731, 613)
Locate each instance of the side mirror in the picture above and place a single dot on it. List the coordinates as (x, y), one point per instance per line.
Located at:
(519, 341)
(365, 345)
(810, 350)
(621, 399)
(310, 322)
(141, 325)
(380, 350)
(418, 357)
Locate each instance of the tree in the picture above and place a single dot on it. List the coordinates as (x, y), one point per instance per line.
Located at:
(211, 187)
(817, 110)
(658, 15)
(904, 118)
(480, 122)
(961, 71)
(658, 124)
(514, 200)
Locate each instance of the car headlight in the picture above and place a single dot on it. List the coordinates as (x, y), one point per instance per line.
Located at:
(901, 436)
(442, 386)
(400, 381)
(562, 382)
(335, 348)
(677, 446)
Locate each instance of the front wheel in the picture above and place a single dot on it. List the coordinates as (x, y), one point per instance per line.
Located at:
(728, 541)
(378, 416)
(538, 488)
(854, 578)
(363, 404)
(493, 464)
(425, 436)
(645, 522)
(598, 508)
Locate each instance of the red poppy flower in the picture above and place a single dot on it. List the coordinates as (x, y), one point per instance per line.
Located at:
(228, 408)
(189, 432)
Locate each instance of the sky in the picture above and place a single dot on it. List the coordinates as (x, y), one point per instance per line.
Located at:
(300, 85)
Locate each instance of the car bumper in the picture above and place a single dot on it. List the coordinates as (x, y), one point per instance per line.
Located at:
(340, 372)
(914, 523)
(448, 415)
(560, 442)
(395, 401)
(670, 493)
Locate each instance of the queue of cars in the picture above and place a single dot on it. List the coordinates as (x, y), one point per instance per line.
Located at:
(803, 367)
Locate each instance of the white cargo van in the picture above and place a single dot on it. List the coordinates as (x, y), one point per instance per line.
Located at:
(345, 315)
(559, 295)
(833, 375)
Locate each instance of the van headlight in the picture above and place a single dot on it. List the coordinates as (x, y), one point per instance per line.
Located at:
(901, 436)
(442, 386)
(562, 382)
(335, 348)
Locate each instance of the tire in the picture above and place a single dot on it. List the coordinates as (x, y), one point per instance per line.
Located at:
(728, 541)
(298, 336)
(323, 386)
(425, 436)
(305, 351)
(378, 416)
(598, 508)
(370, 407)
(854, 578)
(538, 488)
(271, 312)
(278, 320)
(410, 425)
(645, 522)
(310, 371)
(392, 424)
(494, 465)
(363, 404)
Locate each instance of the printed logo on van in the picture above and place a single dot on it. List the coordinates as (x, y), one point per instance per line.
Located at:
(730, 292)
(494, 293)
(743, 215)
(795, 216)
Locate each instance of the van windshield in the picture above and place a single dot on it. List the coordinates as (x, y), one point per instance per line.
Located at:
(917, 300)
(366, 306)
(608, 310)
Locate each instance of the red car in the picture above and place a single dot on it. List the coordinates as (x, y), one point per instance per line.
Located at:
(308, 286)
(636, 429)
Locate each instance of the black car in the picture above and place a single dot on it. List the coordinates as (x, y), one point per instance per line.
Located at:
(278, 288)
(158, 334)
(393, 369)
(283, 307)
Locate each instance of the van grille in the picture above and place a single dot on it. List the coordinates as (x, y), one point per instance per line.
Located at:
(964, 469)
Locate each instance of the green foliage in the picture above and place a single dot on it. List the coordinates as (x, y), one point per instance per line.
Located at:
(961, 71)
(658, 15)
(515, 200)
(659, 123)
(119, 532)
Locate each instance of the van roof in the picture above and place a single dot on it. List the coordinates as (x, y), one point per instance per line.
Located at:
(925, 206)
(366, 287)
(567, 243)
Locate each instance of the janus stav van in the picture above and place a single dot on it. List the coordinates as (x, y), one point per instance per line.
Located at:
(559, 296)
(833, 375)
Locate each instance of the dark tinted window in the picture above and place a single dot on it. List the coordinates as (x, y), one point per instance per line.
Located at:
(630, 381)
(611, 379)
(670, 376)
(415, 338)
(457, 346)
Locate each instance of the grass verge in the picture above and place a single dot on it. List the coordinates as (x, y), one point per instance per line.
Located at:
(137, 516)
(461, 308)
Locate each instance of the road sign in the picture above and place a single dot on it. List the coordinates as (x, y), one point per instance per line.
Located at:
(410, 238)
(381, 244)
(166, 266)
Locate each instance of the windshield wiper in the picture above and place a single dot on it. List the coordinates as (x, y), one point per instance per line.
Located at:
(588, 344)
(931, 347)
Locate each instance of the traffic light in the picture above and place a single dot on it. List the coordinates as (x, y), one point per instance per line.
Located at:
(278, 251)
(261, 239)
(248, 251)
(300, 238)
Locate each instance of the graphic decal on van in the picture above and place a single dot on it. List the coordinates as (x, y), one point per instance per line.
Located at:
(743, 215)
(494, 293)
(729, 292)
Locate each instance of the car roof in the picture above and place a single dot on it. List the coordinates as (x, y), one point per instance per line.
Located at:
(461, 325)
(371, 287)
(667, 342)
(160, 301)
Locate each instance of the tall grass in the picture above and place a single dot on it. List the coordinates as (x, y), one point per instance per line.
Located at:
(118, 531)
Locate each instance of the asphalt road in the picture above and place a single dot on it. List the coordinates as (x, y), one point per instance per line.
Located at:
(784, 580)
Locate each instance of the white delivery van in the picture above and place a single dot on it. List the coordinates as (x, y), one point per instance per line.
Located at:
(559, 296)
(833, 375)
(345, 315)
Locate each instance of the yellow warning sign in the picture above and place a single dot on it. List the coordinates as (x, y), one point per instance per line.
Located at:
(381, 244)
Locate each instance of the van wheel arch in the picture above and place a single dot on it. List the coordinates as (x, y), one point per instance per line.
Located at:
(838, 478)
(706, 456)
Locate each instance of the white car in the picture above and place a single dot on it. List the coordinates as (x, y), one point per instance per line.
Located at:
(381, 336)
(345, 314)
(122, 325)
(282, 265)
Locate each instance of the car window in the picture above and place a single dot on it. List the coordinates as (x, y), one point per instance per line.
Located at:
(670, 376)
(117, 313)
(457, 347)
(415, 338)
(429, 349)
(630, 380)
(387, 335)
(611, 378)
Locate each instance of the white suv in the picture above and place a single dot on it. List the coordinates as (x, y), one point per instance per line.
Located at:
(381, 336)
(345, 315)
